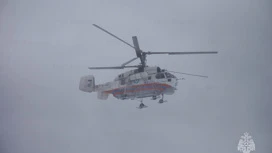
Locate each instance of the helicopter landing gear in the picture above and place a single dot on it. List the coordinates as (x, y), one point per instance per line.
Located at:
(161, 100)
(154, 98)
(142, 105)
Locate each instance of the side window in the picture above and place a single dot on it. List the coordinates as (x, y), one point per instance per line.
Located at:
(172, 76)
(168, 75)
(160, 76)
(149, 78)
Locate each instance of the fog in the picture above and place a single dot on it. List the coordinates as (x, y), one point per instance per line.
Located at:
(46, 46)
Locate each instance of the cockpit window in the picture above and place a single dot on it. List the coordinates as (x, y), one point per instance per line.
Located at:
(160, 76)
(169, 75)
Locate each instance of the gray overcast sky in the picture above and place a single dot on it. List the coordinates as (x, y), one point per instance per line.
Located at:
(46, 46)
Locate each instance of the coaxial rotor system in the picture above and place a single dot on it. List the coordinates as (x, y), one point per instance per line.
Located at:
(140, 54)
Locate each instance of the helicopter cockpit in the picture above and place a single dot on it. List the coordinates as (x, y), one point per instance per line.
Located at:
(163, 75)
(169, 75)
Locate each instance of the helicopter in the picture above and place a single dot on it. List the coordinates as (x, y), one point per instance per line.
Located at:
(141, 82)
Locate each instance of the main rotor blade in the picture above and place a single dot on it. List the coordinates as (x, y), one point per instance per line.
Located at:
(113, 67)
(113, 35)
(129, 61)
(136, 45)
(189, 74)
(138, 50)
(179, 53)
(117, 67)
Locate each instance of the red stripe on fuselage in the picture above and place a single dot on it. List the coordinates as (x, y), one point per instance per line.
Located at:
(134, 91)
(141, 86)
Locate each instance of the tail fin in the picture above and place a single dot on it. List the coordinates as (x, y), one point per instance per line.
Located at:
(87, 83)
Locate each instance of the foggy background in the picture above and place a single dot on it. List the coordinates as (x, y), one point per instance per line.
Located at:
(46, 46)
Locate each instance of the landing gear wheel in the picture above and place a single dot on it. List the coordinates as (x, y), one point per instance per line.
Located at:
(161, 100)
(142, 105)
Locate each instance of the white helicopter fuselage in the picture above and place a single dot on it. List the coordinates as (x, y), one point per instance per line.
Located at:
(152, 82)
